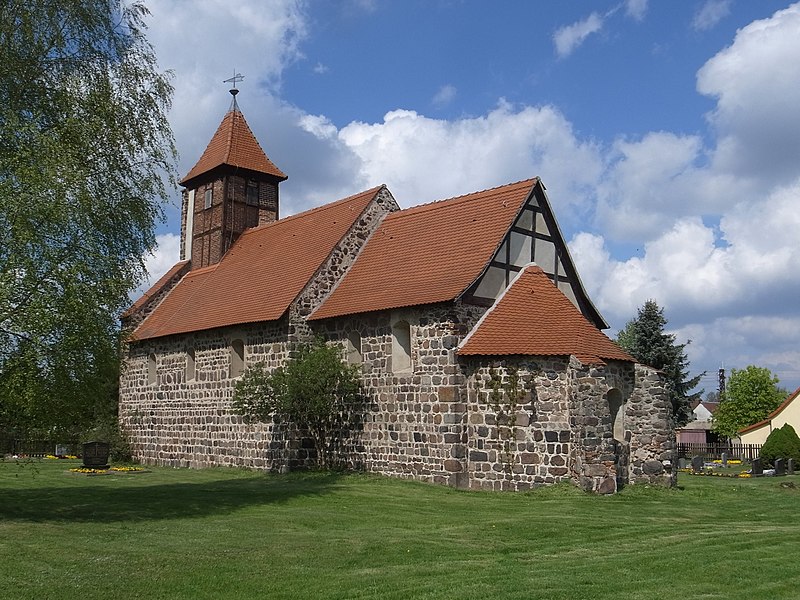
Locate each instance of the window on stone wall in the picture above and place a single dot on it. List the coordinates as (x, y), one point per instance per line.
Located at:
(617, 409)
(401, 346)
(209, 197)
(353, 348)
(190, 365)
(237, 358)
(252, 193)
(152, 369)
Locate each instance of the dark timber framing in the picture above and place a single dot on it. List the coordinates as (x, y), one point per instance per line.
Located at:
(536, 222)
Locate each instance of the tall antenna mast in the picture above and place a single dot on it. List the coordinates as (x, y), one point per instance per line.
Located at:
(237, 77)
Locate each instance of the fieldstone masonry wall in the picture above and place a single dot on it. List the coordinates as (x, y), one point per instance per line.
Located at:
(337, 264)
(436, 422)
(652, 434)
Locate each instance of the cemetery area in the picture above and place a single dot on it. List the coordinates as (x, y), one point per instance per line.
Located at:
(231, 533)
(724, 467)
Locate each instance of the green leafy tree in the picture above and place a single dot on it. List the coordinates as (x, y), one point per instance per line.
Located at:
(750, 395)
(644, 338)
(85, 149)
(315, 391)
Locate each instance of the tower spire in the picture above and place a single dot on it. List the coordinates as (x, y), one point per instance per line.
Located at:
(237, 77)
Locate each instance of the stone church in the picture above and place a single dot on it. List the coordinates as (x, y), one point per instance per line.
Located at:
(481, 354)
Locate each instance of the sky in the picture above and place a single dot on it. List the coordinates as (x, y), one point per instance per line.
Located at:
(666, 133)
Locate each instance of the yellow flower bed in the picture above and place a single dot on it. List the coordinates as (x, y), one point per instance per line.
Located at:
(127, 469)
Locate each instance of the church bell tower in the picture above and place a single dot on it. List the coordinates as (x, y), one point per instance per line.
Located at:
(232, 187)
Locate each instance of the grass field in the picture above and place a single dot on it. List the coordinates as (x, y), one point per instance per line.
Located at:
(226, 533)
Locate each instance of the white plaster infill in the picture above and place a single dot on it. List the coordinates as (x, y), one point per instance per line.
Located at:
(486, 314)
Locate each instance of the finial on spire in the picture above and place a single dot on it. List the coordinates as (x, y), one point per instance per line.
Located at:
(237, 77)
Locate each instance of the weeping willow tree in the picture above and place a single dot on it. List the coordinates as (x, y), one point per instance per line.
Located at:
(86, 155)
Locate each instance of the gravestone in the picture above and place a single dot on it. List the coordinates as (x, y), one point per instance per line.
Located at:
(725, 459)
(682, 462)
(698, 463)
(780, 466)
(755, 467)
(790, 466)
(61, 449)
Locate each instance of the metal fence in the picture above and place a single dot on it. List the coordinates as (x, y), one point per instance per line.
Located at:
(38, 448)
(746, 452)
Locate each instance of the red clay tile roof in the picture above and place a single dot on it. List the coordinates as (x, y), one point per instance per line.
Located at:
(259, 277)
(428, 253)
(234, 144)
(533, 317)
(774, 413)
(155, 288)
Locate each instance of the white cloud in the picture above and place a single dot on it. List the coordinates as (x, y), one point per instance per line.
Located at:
(320, 69)
(166, 254)
(764, 341)
(422, 159)
(636, 9)
(757, 86)
(648, 184)
(445, 95)
(258, 39)
(569, 37)
(711, 13)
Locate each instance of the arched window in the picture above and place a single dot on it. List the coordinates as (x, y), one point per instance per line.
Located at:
(617, 409)
(152, 369)
(353, 348)
(237, 358)
(190, 366)
(401, 346)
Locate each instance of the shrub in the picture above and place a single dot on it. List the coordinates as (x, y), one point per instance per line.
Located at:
(781, 443)
(314, 390)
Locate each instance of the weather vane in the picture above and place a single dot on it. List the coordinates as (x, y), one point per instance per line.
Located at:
(237, 77)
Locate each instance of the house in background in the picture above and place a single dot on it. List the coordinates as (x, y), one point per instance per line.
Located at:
(787, 412)
(699, 430)
(434, 303)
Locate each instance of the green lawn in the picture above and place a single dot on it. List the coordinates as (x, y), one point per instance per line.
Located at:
(226, 533)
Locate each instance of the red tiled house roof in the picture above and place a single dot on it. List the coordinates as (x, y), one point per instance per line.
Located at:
(428, 253)
(789, 399)
(260, 276)
(156, 288)
(234, 145)
(532, 317)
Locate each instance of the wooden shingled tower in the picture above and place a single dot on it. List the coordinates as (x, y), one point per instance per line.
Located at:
(232, 187)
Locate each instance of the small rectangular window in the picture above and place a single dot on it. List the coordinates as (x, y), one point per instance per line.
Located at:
(237, 358)
(401, 347)
(190, 365)
(209, 197)
(252, 193)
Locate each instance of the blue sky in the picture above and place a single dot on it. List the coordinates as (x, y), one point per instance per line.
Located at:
(666, 133)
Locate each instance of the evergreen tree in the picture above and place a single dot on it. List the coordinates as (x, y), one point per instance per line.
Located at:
(644, 339)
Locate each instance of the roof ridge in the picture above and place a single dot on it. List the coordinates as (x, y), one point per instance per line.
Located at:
(229, 142)
(461, 198)
(313, 209)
